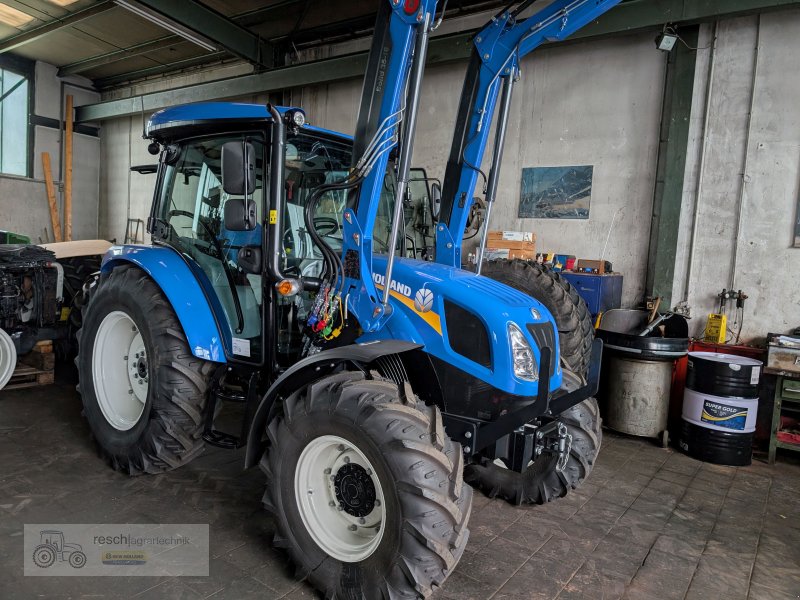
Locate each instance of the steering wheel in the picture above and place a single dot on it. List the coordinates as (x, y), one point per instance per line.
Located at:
(326, 226)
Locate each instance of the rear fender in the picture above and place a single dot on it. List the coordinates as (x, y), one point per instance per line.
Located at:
(179, 284)
(311, 369)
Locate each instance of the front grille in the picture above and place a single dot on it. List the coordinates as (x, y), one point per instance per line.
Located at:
(544, 335)
(467, 335)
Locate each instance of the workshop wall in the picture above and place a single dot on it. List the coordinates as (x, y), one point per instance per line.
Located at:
(588, 103)
(25, 208)
(741, 185)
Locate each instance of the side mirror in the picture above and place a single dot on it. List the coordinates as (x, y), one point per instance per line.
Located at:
(240, 214)
(436, 199)
(238, 168)
(249, 259)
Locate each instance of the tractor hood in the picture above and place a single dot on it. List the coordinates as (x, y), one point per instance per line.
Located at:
(464, 319)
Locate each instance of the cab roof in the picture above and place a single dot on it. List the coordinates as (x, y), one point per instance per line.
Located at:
(180, 118)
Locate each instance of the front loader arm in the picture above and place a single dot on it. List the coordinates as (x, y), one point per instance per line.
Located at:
(386, 119)
(494, 64)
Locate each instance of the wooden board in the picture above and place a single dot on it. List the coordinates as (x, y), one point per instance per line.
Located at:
(55, 221)
(68, 171)
(78, 248)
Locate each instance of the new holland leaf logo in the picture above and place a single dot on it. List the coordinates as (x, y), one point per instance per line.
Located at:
(423, 300)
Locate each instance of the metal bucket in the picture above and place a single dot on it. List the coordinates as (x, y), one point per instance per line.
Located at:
(638, 396)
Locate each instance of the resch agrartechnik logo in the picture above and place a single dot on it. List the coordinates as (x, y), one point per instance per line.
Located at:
(114, 549)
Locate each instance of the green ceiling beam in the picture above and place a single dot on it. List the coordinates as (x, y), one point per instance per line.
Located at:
(632, 15)
(207, 23)
(247, 19)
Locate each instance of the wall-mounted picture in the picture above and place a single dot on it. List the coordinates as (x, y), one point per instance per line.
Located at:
(556, 192)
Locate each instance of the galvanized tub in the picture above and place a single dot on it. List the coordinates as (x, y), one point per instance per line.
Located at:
(638, 396)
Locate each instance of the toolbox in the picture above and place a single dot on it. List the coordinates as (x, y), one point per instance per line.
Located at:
(601, 292)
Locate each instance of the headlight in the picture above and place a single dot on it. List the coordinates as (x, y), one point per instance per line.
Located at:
(522, 355)
(298, 118)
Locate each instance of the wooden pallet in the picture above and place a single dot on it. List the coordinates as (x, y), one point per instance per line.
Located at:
(35, 368)
(25, 377)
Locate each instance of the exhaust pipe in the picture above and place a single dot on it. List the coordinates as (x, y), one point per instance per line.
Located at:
(8, 358)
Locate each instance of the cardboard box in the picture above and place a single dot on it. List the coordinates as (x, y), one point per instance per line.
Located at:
(511, 236)
(782, 358)
(529, 246)
(522, 242)
(507, 254)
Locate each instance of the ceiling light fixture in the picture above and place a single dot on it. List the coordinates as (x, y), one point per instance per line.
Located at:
(62, 2)
(168, 24)
(13, 17)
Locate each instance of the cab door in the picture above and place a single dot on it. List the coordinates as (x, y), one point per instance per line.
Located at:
(192, 205)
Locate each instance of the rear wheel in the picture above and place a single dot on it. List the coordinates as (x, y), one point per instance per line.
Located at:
(143, 391)
(542, 481)
(366, 488)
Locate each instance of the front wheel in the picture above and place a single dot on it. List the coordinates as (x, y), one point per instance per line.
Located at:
(542, 481)
(77, 559)
(367, 489)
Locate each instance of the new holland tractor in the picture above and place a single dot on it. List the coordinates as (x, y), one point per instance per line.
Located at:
(373, 385)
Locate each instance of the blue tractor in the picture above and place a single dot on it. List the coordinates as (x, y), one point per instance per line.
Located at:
(373, 384)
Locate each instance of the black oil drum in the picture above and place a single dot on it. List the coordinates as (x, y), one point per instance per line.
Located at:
(720, 406)
(723, 374)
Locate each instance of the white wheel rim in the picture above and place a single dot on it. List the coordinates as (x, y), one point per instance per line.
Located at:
(8, 358)
(119, 370)
(334, 517)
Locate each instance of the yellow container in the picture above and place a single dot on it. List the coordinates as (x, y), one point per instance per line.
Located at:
(716, 328)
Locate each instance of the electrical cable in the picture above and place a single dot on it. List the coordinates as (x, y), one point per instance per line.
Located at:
(441, 17)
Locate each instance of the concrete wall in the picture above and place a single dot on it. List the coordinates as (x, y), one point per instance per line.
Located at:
(23, 201)
(741, 187)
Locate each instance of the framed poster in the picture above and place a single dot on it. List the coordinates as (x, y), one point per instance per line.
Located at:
(556, 192)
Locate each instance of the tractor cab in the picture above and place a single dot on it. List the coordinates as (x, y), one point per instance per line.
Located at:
(213, 204)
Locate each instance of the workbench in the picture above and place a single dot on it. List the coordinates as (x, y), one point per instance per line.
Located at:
(787, 403)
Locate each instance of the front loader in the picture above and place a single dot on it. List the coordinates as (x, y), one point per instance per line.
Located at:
(370, 383)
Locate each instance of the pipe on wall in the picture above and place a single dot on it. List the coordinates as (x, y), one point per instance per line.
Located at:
(701, 165)
(745, 176)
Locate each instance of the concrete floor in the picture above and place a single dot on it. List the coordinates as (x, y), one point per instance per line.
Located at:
(649, 523)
